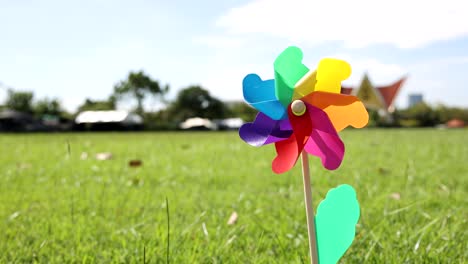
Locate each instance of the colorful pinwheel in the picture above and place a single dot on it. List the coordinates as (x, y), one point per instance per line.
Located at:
(302, 110)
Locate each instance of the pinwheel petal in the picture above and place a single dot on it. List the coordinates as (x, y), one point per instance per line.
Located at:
(305, 85)
(288, 71)
(265, 130)
(288, 152)
(330, 73)
(261, 96)
(324, 141)
(342, 110)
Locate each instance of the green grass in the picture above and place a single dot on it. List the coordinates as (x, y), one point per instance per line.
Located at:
(58, 208)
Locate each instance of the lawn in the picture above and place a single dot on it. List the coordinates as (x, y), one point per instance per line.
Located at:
(59, 206)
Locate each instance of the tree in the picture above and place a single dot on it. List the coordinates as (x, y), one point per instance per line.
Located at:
(48, 106)
(447, 113)
(96, 105)
(194, 101)
(242, 110)
(420, 114)
(20, 101)
(139, 86)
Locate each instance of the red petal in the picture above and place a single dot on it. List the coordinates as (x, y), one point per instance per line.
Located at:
(288, 151)
(287, 155)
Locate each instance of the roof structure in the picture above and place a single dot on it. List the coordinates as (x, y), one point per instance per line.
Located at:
(197, 123)
(12, 114)
(111, 116)
(379, 97)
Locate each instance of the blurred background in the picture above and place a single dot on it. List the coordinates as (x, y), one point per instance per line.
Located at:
(153, 65)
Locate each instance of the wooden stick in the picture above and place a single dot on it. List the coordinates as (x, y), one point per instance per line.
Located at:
(309, 209)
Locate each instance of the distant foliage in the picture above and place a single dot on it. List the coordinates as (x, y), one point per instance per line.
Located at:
(194, 101)
(447, 113)
(20, 101)
(139, 86)
(242, 110)
(48, 106)
(423, 115)
(95, 105)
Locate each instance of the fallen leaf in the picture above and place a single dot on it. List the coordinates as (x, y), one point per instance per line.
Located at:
(383, 171)
(395, 196)
(135, 163)
(23, 166)
(205, 231)
(84, 156)
(232, 219)
(104, 156)
(14, 215)
(230, 240)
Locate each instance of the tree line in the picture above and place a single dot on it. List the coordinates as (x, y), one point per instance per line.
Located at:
(139, 89)
(195, 101)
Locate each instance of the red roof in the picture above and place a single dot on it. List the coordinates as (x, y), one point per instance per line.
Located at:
(388, 92)
(455, 123)
(346, 90)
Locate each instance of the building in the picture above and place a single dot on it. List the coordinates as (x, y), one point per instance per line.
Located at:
(414, 99)
(108, 120)
(455, 123)
(233, 123)
(381, 98)
(197, 123)
(14, 121)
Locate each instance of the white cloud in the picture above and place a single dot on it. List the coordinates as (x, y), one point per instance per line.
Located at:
(430, 65)
(359, 23)
(219, 41)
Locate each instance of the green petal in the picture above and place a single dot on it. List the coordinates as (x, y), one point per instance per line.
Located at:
(288, 71)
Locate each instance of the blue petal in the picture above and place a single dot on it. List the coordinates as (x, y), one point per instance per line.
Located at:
(261, 96)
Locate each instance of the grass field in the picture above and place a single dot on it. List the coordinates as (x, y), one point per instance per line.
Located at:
(56, 207)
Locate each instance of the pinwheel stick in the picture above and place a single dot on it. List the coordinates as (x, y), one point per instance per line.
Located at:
(309, 209)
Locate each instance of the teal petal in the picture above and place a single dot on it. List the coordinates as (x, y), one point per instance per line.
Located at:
(288, 71)
(261, 96)
(335, 223)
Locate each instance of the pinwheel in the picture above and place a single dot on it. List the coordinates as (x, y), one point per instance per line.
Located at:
(301, 111)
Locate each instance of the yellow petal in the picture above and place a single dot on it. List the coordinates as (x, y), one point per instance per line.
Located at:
(330, 73)
(305, 85)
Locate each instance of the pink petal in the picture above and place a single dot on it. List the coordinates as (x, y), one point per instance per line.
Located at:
(324, 141)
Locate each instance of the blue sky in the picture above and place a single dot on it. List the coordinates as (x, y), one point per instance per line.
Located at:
(78, 49)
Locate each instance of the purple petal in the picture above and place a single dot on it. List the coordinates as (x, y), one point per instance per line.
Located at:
(265, 130)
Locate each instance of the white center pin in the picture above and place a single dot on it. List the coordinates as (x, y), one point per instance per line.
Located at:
(298, 107)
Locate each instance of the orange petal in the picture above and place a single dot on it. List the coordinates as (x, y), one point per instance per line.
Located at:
(343, 110)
